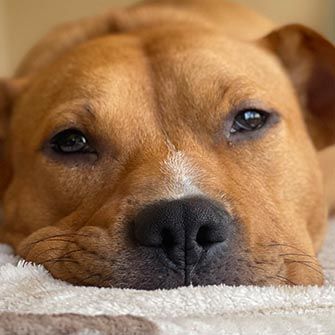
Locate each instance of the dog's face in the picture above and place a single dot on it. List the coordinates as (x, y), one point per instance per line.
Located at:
(165, 158)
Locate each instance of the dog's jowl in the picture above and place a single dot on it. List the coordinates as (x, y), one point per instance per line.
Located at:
(169, 144)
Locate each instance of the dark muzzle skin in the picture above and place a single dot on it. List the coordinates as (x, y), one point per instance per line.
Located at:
(187, 235)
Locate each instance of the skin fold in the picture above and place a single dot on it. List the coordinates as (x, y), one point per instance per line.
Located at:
(155, 87)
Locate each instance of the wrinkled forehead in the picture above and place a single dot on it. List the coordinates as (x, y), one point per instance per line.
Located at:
(170, 71)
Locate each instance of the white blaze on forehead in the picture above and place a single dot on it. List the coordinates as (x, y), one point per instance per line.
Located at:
(182, 176)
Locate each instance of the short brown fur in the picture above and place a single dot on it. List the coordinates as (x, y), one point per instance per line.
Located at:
(152, 80)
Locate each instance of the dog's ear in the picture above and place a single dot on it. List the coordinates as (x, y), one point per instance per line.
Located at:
(309, 59)
(5, 107)
(10, 89)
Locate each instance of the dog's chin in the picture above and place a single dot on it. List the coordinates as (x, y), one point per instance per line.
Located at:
(149, 275)
(89, 257)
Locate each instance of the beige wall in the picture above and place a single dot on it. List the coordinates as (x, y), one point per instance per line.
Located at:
(4, 63)
(30, 19)
(319, 14)
(22, 22)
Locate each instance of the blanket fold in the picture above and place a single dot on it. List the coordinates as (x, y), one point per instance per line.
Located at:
(30, 297)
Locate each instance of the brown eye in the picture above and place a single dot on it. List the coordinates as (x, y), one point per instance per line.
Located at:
(249, 120)
(70, 141)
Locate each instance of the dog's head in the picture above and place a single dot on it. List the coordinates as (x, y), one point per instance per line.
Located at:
(163, 156)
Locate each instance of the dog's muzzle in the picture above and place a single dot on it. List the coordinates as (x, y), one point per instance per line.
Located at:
(187, 235)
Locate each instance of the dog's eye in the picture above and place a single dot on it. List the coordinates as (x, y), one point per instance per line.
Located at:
(249, 120)
(70, 141)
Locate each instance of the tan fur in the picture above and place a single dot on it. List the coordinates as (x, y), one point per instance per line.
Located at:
(327, 160)
(153, 80)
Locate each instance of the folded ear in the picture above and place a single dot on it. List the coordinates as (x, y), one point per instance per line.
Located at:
(5, 102)
(4, 106)
(9, 90)
(310, 62)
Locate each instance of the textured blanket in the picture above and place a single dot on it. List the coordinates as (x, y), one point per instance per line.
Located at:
(32, 302)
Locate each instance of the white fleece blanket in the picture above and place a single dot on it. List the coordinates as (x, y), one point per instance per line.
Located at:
(25, 288)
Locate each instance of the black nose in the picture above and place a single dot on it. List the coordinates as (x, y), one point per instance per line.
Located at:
(183, 229)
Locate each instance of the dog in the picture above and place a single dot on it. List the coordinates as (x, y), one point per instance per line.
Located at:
(171, 143)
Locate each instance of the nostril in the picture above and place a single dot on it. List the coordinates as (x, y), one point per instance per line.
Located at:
(207, 236)
(168, 239)
(203, 238)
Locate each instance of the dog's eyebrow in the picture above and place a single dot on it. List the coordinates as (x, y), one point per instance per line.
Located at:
(82, 110)
(89, 110)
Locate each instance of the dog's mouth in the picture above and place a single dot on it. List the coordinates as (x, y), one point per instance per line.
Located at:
(169, 244)
(81, 258)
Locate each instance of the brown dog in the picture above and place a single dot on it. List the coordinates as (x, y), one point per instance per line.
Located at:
(168, 144)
